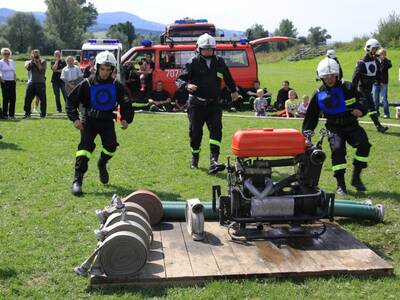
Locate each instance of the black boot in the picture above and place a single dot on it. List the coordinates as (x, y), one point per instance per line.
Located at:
(378, 125)
(215, 167)
(356, 179)
(102, 165)
(194, 164)
(76, 189)
(341, 184)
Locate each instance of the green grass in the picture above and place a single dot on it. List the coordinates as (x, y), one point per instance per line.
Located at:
(45, 232)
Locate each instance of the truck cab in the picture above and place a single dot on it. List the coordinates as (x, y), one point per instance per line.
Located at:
(93, 46)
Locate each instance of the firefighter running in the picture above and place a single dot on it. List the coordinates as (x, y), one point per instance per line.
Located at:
(365, 75)
(201, 77)
(341, 104)
(99, 97)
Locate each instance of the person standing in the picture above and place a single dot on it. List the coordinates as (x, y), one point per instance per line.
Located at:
(36, 83)
(100, 96)
(332, 54)
(380, 88)
(56, 66)
(365, 75)
(8, 86)
(71, 75)
(202, 76)
(341, 104)
(89, 70)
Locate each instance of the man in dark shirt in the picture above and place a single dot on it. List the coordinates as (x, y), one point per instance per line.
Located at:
(202, 76)
(56, 66)
(380, 87)
(160, 99)
(252, 93)
(283, 95)
(89, 70)
(181, 100)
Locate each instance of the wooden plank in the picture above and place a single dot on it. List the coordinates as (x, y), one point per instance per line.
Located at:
(251, 261)
(222, 250)
(201, 257)
(176, 258)
(155, 267)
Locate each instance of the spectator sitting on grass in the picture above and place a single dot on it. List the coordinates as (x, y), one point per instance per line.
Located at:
(252, 93)
(260, 103)
(302, 108)
(283, 95)
(159, 99)
(181, 100)
(290, 105)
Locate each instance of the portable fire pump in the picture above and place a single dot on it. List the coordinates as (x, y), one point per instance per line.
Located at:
(257, 207)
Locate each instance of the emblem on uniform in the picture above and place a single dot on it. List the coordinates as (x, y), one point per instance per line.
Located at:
(103, 97)
(332, 101)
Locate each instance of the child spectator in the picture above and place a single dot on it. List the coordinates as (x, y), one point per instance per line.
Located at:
(252, 93)
(302, 109)
(260, 104)
(181, 100)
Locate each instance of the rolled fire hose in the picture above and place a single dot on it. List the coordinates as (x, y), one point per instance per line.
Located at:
(149, 201)
(123, 252)
(175, 210)
(128, 206)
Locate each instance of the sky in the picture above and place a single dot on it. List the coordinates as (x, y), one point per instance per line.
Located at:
(344, 19)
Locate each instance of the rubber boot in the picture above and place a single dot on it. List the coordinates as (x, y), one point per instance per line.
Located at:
(215, 167)
(356, 179)
(194, 164)
(102, 165)
(378, 125)
(341, 184)
(76, 189)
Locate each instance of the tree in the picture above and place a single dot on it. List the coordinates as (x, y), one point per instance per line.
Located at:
(89, 14)
(318, 36)
(257, 31)
(125, 32)
(285, 28)
(23, 31)
(389, 30)
(68, 20)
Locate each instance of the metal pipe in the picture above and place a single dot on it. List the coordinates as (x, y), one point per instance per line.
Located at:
(343, 208)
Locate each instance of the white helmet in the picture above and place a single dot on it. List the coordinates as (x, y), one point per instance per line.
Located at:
(206, 41)
(105, 58)
(326, 67)
(331, 53)
(370, 44)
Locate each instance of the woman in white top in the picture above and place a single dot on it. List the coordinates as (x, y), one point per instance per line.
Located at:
(71, 75)
(8, 86)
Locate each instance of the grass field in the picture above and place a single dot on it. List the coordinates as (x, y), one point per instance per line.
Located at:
(45, 231)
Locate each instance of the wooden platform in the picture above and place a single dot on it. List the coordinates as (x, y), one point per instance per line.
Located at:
(175, 259)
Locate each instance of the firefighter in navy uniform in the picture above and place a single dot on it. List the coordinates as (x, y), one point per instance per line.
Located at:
(201, 77)
(365, 75)
(99, 95)
(341, 105)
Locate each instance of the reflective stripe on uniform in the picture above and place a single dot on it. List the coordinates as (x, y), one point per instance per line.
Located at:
(350, 102)
(339, 167)
(83, 153)
(108, 152)
(220, 75)
(371, 113)
(215, 142)
(361, 158)
(195, 151)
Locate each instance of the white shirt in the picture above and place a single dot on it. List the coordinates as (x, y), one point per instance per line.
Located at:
(71, 73)
(7, 70)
